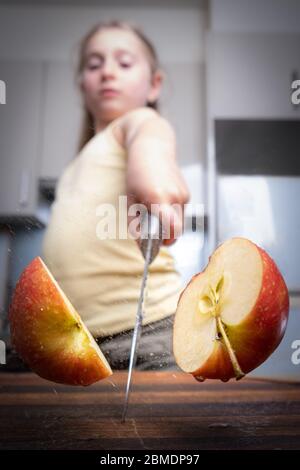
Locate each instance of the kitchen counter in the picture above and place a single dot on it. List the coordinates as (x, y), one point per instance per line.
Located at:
(167, 410)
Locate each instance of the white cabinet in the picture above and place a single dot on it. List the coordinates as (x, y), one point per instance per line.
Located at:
(250, 75)
(20, 130)
(39, 132)
(183, 103)
(61, 121)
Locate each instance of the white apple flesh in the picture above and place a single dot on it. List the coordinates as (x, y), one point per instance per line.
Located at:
(231, 316)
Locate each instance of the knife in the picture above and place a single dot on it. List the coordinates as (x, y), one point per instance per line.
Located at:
(150, 242)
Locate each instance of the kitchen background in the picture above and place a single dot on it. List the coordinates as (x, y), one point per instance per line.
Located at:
(229, 66)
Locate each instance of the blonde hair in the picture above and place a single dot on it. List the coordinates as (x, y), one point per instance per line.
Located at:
(87, 130)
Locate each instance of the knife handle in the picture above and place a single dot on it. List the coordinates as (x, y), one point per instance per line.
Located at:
(151, 228)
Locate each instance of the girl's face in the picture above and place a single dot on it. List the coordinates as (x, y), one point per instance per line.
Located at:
(117, 76)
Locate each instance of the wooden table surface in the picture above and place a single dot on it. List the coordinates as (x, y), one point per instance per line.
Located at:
(167, 410)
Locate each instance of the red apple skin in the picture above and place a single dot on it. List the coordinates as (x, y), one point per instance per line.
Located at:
(44, 334)
(259, 334)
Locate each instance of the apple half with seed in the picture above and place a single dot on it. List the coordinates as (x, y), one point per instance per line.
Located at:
(231, 316)
(49, 335)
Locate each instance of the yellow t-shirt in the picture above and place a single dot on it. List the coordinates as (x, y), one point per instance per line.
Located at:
(102, 277)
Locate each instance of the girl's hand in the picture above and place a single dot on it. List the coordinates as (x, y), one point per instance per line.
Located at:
(153, 176)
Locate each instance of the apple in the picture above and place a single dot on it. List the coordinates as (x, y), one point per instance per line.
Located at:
(48, 333)
(231, 316)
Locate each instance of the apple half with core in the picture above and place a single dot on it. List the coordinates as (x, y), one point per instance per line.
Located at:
(231, 316)
(48, 333)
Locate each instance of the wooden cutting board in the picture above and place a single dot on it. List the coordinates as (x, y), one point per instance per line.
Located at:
(167, 410)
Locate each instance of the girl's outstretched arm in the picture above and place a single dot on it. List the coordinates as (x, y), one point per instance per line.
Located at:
(153, 176)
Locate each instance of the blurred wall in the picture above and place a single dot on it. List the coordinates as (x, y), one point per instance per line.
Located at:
(261, 16)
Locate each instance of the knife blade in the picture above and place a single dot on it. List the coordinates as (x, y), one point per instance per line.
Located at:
(150, 242)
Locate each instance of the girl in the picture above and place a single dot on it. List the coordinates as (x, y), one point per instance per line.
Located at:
(126, 148)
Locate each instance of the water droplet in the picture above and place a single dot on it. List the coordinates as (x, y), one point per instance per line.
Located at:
(113, 384)
(200, 378)
(218, 425)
